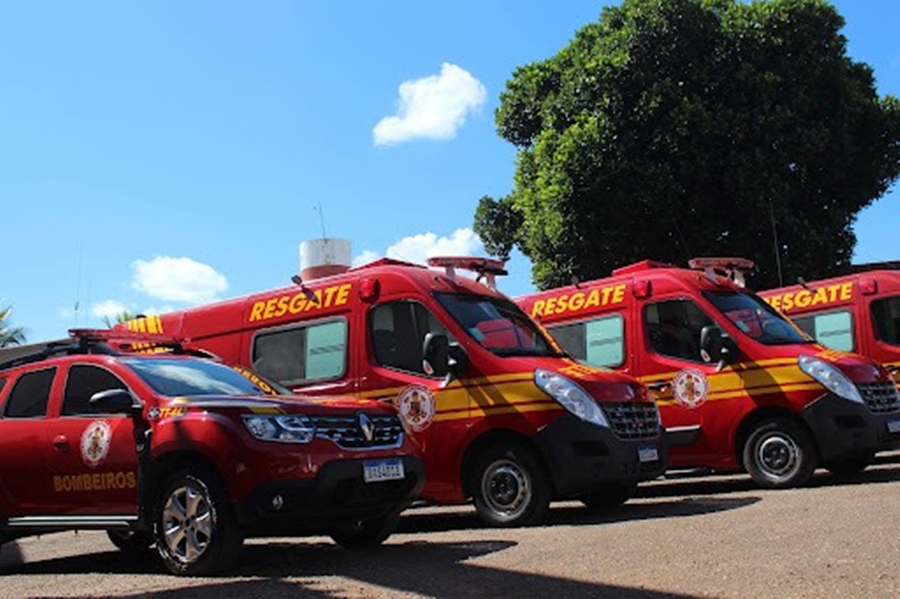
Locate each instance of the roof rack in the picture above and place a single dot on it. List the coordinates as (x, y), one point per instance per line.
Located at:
(94, 341)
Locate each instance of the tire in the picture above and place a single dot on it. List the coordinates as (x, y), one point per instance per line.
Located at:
(509, 486)
(851, 465)
(196, 531)
(609, 497)
(369, 533)
(130, 541)
(779, 454)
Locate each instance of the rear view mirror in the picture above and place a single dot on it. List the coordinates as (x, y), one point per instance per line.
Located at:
(717, 346)
(436, 354)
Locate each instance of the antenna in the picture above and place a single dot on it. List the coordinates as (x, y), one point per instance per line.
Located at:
(318, 208)
(775, 236)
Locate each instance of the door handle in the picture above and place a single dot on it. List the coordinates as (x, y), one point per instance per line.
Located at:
(61, 442)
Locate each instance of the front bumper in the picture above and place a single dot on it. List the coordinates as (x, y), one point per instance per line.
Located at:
(336, 496)
(846, 429)
(583, 457)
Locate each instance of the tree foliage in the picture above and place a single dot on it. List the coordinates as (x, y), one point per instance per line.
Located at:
(680, 128)
(123, 316)
(9, 335)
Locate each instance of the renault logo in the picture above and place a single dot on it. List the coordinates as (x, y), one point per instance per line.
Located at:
(366, 427)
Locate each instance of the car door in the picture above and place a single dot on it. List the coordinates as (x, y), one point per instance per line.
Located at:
(674, 369)
(25, 486)
(93, 458)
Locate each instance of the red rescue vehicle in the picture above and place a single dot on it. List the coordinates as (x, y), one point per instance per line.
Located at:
(857, 312)
(503, 416)
(738, 385)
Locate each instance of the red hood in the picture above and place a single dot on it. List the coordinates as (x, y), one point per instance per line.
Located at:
(283, 403)
(858, 369)
(601, 384)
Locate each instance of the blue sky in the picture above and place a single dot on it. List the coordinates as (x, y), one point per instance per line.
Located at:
(155, 155)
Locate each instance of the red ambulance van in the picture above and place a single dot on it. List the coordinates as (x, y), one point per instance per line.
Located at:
(503, 416)
(857, 312)
(738, 385)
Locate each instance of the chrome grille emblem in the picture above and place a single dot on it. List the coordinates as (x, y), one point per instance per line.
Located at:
(366, 427)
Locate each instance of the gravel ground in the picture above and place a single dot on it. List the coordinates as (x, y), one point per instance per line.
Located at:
(684, 537)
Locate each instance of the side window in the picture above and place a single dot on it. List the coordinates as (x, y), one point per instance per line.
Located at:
(83, 381)
(397, 331)
(303, 353)
(834, 329)
(599, 342)
(30, 395)
(886, 316)
(673, 328)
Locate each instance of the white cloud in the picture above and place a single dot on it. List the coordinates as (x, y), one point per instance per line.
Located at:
(417, 248)
(433, 107)
(108, 309)
(177, 280)
(366, 257)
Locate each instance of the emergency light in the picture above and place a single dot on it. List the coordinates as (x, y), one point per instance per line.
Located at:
(484, 267)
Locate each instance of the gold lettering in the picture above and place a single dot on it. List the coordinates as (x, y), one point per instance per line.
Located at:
(96, 481)
(618, 294)
(329, 295)
(606, 291)
(537, 310)
(576, 302)
(297, 303)
(775, 302)
(551, 306)
(343, 294)
(801, 300)
(562, 304)
(821, 296)
(593, 299)
(110, 482)
(847, 291)
(270, 308)
(282, 306)
(131, 480)
(256, 311)
(787, 302)
(833, 289)
(57, 483)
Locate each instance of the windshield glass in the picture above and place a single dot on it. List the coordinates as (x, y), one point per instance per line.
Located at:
(498, 325)
(175, 377)
(755, 318)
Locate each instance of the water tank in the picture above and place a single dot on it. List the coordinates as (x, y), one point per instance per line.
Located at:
(324, 257)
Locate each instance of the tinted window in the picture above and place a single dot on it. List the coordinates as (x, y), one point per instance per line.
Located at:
(30, 395)
(599, 342)
(755, 318)
(83, 381)
(673, 328)
(176, 377)
(397, 331)
(302, 353)
(834, 329)
(497, 324)
(886, 316)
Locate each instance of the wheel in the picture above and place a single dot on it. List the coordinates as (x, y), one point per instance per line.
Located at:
(851, 465)
(510, 487)
(609, 497)
(130, 541)
(196, 531)
(779, 454)
(369, 533)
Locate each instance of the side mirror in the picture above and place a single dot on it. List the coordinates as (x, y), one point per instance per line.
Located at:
(115, 401)
(436, 354)
(717, 346)
(459, 360)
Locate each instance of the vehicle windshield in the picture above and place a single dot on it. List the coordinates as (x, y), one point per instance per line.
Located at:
(176, 377)
(498, 325)
(755, 318)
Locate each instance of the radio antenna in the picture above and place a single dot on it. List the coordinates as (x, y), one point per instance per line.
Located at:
(318, 207)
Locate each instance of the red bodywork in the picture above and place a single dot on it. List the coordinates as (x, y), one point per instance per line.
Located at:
(695, 395)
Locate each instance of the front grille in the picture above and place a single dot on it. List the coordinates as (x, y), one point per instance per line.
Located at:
(633, 420)
(880, 398)
(346, 432)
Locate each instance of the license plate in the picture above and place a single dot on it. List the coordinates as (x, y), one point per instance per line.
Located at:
(378, 470)
(648, 454)
(893, 426)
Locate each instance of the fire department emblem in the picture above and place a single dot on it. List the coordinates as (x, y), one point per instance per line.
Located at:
(690, 388)
(416, 407)
(95, 443)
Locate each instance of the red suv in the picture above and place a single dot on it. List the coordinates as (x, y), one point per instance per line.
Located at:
(190, 455)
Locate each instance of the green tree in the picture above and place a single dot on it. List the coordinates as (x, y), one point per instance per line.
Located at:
(9, 335)
(680, 128)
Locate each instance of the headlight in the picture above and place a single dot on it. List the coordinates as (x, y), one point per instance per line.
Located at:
(831, 378)
(285, 428)
(570, 396)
